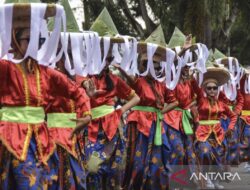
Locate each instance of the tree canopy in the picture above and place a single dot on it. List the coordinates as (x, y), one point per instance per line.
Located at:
(221, 24)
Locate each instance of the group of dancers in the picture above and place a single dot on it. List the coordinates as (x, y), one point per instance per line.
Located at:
(114, 129)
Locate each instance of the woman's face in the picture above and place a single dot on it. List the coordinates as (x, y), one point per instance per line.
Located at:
(157, 67)
(185, 72)
(211, 89)
(23, 41)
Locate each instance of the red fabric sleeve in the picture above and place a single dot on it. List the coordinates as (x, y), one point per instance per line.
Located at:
(63, 86)
(4, 74)
(231, 115)
(123, 91)
(198, 90)
(79, 79)
(239, 102)
(222, 97)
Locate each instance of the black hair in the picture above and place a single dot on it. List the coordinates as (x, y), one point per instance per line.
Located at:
(109, 82)
(145, 63)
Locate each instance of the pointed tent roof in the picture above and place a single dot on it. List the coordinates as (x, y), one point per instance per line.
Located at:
(22, 1)
(193, 40)
(177, 39)
(71, 24)
(157, 37)
(210, 59)
(213, 55)
(104, 24)
(218, 54)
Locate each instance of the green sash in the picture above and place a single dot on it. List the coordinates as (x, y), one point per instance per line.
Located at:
(209, 122)
(101, 111)
(158, 138)
(186, 116)
(26, 114)
(61, 120)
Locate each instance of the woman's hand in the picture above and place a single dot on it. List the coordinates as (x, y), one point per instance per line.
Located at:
(131, 103)
(117, 66)
(188, 42)
(90, 88)
(130, 79)
(80, 124)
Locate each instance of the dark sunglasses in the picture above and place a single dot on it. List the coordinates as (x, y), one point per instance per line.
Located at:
(212, 87)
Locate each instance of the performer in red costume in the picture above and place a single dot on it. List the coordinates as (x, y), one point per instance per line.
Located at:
(106, 145)
(60, 112)
(148, 146)
(245, 120)
(26, 90)
(210, 136)
(233, 153)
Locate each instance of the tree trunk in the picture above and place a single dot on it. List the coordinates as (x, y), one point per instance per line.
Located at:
(131, 18)
(86, 24)
(223, 38)
(150, 26)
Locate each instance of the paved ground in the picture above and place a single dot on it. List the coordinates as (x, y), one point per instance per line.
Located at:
(240, 182)
(244, 184)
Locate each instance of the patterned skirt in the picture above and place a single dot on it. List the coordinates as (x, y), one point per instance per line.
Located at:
(71, 173)
(232, 144)
(29, 174)
(104, 161)
(147, 165)
(182, 153)
(244, 136)
(211, 153)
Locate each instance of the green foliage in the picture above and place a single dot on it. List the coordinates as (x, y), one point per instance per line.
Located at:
(222, 24)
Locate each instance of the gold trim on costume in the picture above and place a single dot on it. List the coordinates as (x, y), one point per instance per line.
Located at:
(87, 113)
(26, 143)
(39, 98)
(12, 151)
(70, 151)
(72, 106)
(39, 146)
(206, 137)
(26, 88)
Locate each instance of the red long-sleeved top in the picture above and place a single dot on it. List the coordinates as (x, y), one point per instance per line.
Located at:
(110, 122)
(237, 104)
(209, 110)
(185, 95)
(246, 105)
(61, 136)
(147, 98)
(32, 89)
